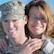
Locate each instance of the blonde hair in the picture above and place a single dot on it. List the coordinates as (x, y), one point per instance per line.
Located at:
(45, 13)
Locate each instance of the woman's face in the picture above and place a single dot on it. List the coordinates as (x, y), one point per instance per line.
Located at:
(36, 24)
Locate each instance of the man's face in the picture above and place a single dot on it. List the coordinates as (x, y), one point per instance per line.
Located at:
(13, 27)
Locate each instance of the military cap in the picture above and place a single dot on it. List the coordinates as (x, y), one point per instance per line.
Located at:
(12, 10)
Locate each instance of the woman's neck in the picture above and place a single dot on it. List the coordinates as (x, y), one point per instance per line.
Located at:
(36, 36)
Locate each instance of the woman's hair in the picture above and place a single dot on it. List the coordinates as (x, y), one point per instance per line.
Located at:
(44, 11)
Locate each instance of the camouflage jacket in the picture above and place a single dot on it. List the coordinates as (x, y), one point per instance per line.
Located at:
(10, 49)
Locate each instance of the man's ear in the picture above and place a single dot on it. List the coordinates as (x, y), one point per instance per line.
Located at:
(25, 19)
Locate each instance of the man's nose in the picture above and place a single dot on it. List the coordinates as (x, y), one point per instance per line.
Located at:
(10, 24)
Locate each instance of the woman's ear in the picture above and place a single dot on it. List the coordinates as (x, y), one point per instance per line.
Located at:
(25, 19)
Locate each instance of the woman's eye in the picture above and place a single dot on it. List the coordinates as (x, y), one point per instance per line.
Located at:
(42, 18)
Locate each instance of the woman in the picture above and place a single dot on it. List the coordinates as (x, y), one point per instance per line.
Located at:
(40, 24)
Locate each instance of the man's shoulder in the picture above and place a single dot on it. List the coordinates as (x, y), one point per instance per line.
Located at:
(2, 36)
(1, 52)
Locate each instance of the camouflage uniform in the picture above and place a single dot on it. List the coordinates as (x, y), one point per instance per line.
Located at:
(10, 48)
(12, 10)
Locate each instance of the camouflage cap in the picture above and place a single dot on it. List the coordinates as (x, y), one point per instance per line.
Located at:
(12, 10)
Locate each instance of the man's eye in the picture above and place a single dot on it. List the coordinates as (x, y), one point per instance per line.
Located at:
(14, 20)
(5, 20)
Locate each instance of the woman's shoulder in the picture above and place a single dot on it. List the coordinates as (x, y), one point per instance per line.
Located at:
(52, 40)
(49, 45)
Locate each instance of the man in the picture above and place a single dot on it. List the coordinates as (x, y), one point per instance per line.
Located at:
(13, 21)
